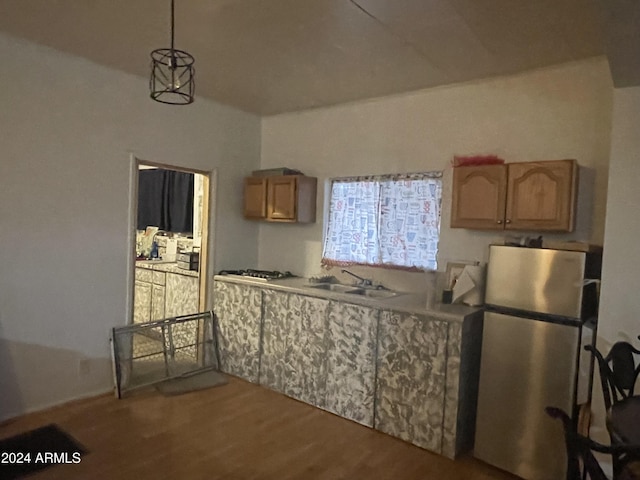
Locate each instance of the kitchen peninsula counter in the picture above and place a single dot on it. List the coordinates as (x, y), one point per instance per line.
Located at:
(387, 363)
(163, 290)
(167, 267)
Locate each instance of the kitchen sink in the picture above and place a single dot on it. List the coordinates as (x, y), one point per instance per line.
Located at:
(367, 292)
(354, 290)
(336, 287)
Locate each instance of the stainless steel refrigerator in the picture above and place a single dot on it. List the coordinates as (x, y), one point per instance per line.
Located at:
(541, 306)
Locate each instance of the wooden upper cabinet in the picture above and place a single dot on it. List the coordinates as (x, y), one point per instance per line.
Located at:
(255, 197)
(542, 196)
(517, 196)
(281, 198)
(286, 198)
(479, 196)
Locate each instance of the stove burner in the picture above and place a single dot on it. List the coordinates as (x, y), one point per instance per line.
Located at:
(263, 274)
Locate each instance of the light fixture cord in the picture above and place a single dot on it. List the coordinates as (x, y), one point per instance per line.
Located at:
(172, 59)
(172, 25)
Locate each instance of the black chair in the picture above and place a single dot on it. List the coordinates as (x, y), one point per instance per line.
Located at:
(619, 371)
(581, 460)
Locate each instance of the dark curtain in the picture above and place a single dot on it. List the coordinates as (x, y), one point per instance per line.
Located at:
(165, 200)
(150, 198)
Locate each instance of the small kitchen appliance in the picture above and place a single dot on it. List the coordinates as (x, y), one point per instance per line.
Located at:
(188, 261)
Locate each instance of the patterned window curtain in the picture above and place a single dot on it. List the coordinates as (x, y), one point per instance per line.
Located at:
(384, 220)
(353, 223)
(410, 222)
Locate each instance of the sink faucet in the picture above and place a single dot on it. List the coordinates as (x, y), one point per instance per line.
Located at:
(363, 281)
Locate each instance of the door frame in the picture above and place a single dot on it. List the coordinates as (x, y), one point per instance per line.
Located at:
(208, 232)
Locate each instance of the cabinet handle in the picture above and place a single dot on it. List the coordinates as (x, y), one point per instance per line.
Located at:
(498, 222)
(507, 221)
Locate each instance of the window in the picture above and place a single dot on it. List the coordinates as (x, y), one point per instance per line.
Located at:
(384, 220)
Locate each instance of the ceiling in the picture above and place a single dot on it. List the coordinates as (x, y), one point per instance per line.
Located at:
(275, 56)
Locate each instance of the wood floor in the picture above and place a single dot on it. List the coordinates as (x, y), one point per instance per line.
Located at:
(238, 431)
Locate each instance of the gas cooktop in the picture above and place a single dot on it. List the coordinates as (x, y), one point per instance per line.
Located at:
(258, 274)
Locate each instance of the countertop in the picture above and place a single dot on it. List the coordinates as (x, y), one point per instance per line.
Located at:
(162, 266)
(406, 302)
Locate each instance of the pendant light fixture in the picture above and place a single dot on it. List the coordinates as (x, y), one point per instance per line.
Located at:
(172, 74)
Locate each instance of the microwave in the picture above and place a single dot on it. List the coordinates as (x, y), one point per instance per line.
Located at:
(188, 261)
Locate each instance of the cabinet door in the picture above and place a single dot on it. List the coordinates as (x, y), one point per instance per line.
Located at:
(181, 298)
(478, 197)
(542, 195)
(306, 350)
(157, 302)
(142, 302)
(144, 274)
(411, 363)
(294, 346)
(276, 327)
(255, 197)
(281, 198)
(238, 316)
(182, 295)
(352, 331)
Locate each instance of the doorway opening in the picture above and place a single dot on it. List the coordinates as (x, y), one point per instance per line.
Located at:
(170, 241)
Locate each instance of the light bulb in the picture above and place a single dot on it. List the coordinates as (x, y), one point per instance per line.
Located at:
(173, 79)
(175, 85)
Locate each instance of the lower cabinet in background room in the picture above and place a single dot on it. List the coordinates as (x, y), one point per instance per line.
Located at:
(162, 294)
(182, 294)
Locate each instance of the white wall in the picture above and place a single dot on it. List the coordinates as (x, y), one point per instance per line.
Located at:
(67, 128)
(619, 317)
(554, 113)
(620, 307)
